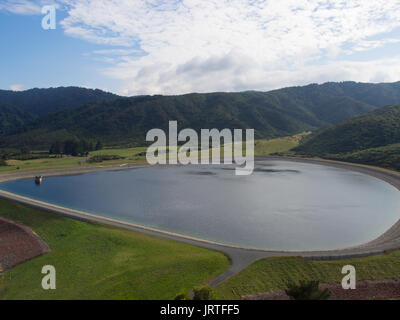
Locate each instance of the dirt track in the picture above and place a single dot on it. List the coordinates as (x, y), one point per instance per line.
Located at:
(240, 257)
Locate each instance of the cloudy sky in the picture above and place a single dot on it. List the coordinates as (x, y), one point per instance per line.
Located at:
(135, 47)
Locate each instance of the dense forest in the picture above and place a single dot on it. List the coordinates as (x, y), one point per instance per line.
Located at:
(12, 118)
(371, 138)
(74, 147)
(40, 117)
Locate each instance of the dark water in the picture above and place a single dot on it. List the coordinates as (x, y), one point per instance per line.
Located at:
(283, 205)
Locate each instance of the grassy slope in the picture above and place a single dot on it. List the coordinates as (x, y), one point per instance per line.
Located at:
(95, 261)
(274, 273)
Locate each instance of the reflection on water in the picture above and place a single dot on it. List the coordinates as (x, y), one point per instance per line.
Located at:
(202, 173)
(282, 205)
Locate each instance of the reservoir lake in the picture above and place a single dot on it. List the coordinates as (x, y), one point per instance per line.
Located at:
(283, 205)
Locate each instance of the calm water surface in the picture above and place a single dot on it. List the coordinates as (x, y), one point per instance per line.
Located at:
(282, 206)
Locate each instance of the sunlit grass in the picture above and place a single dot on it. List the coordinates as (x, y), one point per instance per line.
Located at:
(95, 261)
(274, 273)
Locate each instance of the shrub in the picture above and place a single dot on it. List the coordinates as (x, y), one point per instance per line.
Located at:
(307, 290)
(203, 293)
(182, 296)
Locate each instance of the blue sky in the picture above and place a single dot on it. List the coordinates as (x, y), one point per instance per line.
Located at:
(177, 46)
(34, 57)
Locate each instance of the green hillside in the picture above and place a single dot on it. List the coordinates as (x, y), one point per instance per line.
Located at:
(375, 129)
(125, 121)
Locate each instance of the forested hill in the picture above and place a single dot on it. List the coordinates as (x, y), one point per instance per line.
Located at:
(12, 118)
(38, 102)
(116, 120)
(128, 120)
(371, 130)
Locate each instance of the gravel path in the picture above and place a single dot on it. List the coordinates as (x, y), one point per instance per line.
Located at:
(240, 257)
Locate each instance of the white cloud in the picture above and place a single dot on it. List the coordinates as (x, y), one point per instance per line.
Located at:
(25, 7)
(230, 45)
(17, 87)
(20, 7)
(118, 52)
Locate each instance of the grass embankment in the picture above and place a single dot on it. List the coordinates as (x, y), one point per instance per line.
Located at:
(95, 261)
(134, 155)
(274, 273)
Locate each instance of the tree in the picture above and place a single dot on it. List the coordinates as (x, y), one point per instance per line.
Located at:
(307, 290)
(24, 150)
(56, 148)
(4, 155)
(203, 293)
(99, 145)
(72, 147)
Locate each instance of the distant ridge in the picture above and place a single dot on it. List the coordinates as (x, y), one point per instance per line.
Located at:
(42, 101)
(95, 114)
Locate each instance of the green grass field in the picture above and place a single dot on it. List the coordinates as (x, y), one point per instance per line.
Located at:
(134, 155)
(95, 261)
(266, 147)
(128, 153)
(274, 273)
